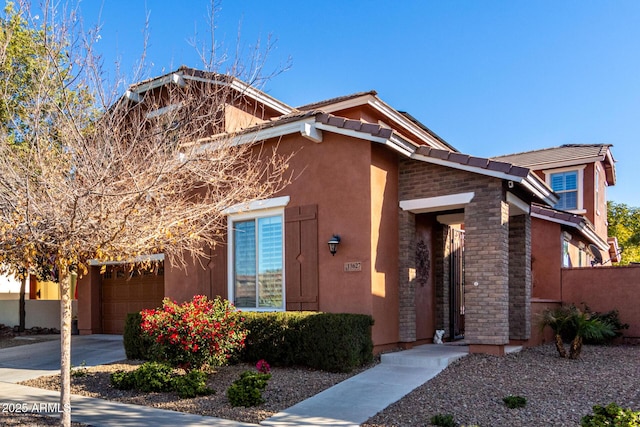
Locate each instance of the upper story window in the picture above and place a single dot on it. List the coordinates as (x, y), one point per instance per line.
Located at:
(256, 255)
(565, 184)
(568, 184)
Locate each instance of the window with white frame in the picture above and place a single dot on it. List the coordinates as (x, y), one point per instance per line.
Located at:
(565, 185)
(566, 257)
(568, 185)
(597, 190)
(256, 256)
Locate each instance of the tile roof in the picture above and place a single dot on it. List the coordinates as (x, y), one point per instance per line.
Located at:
(476, 162)
(565, 153)
(380, 131)
(579, 222)
(355, 125)
(556, 214)
(319, 104)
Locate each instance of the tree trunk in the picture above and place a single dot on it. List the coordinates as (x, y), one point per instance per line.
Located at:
(65, 345)
(21, 310)
(560, 346)
(576, 347)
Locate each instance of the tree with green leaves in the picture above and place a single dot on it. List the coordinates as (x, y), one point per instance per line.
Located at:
(97, 178)
(624, 224)
(21, 50)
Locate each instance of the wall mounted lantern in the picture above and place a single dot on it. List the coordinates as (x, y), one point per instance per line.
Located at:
(334, 241)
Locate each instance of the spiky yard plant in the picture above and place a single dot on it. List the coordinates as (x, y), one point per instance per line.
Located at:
(580, 325)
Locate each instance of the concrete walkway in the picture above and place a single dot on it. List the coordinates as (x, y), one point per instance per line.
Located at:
(349, 403)
(354, 401)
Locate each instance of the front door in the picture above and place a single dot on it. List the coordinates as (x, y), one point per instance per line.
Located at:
(456, 285)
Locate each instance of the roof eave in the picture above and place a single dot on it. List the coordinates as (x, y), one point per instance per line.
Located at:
(376, 103)
(582, 227)
(179, 76)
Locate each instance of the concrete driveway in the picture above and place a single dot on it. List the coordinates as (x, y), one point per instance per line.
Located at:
(34, 360)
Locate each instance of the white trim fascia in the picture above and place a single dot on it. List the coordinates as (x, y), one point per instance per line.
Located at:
(402, 145)
(249, 90)
(157, 82)
(178, 79)
(395, 142)
(241, 87)
(573, 163)
(585, 231)
(529, 182)
(306, 126)
(434, 204)
(387, 111)
(474, 169)
(256, 205)
(133, 96)
(451, 219)
(612, 162)
(268, 133)
(138, 259)
(538, 187)
(160, 111)
(311, 132)
(518, 203)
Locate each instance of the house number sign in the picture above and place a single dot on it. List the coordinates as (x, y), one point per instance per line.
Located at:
(352, 266)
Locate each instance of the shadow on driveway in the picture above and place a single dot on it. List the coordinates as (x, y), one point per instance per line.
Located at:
(33, 360)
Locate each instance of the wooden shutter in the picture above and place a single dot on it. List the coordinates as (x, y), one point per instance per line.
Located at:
(301, 257)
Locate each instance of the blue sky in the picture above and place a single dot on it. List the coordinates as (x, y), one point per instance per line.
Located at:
(490, 77)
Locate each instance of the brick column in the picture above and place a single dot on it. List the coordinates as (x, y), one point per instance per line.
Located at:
(442, 272)
(487, 264)
(407, 295)
(520, 277)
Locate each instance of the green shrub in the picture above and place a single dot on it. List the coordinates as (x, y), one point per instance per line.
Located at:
(159, 377)
(612, 318)
(247, 391)
(193, 384)
(513, 402)
(79, 371)
(443, 420)
(153, 376)
(273, 336)
(327, 341)
(123, 380)
(569, 323)
(611, 415)
(195, 333)
(336, 342)
(137, 345)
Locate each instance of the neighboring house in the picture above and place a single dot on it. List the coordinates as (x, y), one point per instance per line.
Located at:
(573, 233)
(430, 238)
(34, 289)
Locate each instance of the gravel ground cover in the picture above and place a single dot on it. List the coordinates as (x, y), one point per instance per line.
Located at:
(286, 387)
(558, 391)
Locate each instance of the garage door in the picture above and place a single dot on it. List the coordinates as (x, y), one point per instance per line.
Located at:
(125, 291)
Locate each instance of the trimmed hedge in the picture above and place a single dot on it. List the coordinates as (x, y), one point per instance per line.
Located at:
(327, 341)
(136, 344)
(273, 336)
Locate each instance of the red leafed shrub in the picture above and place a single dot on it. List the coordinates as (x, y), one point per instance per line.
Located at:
(195, 333)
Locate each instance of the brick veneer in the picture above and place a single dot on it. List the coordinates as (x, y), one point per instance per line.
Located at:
(486, 251)
(520, 277)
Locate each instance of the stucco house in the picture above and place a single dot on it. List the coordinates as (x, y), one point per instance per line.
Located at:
(429, 238)
(573, 233)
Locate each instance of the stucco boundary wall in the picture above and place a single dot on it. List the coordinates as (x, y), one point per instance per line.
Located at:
(38, 313)
(604, 289)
